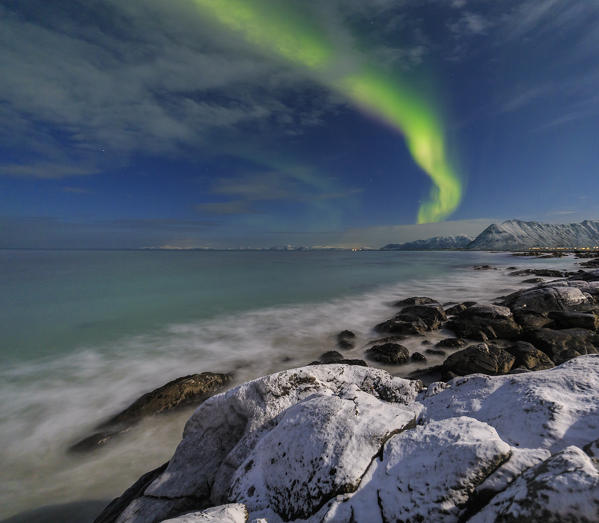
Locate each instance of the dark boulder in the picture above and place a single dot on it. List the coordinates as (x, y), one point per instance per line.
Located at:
(432, 315)
(417, 356)
(531, 320)
(533, 280)
(402, 327)
(176, 394)
(482, 322)
(346, 339)
(562, 345)
(480, 358)
(452, 343)
(331, 356)
(390, 353)
(529, 357)
(416, 300)
(484, 268)
(573, 320)
(545, 299)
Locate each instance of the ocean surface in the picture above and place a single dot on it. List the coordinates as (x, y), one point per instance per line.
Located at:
(84, 333)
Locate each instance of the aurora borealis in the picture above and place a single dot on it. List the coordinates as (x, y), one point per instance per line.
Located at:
(259, 123)
(276, 27)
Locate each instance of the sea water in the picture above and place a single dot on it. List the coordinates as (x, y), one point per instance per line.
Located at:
(84, 333)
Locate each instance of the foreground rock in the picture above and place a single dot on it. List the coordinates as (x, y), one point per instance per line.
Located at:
(341, 444)
(179, 393)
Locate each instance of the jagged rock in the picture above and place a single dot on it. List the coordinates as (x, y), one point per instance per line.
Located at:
(346, 339)
(231, 513)
(390, 353)
(452, 343)
(529, 357)
(417, 356)
(544, 299)
(562, 345)
(573, 320)
(484, 268)
(565, 487)
(297, 437)
(416, 300)
(481, 322)
(179, 393)
(480, 358)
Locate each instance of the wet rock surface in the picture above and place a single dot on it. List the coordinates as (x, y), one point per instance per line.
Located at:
(179, 393)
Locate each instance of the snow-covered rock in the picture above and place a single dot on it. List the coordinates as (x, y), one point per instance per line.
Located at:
(565, 487)
(231, 513)
(426, 474)
(338, 412)
(340, 443)
(548, 409)
(517, 234)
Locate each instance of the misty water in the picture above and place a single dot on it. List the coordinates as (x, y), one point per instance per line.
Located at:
(84, 333)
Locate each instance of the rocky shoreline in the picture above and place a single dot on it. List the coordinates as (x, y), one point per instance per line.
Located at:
(279, 447)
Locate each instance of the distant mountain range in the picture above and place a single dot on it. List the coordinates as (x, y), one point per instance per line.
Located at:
(436, 243)
(516, 234)
(513, 235)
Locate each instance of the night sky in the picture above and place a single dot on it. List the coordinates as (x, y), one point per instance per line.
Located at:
(207, 123)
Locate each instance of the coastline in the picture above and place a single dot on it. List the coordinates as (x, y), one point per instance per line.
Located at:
(564, 303)
(495, 281)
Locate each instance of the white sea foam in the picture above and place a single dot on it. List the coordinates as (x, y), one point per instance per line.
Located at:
(49, 404)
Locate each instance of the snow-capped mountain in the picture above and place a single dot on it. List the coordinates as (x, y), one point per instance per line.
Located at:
(517, 234)
(438, 242)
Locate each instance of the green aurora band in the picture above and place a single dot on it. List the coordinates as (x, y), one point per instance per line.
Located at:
(275, 28)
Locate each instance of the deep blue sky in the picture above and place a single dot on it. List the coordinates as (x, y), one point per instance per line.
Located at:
(142, 123)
